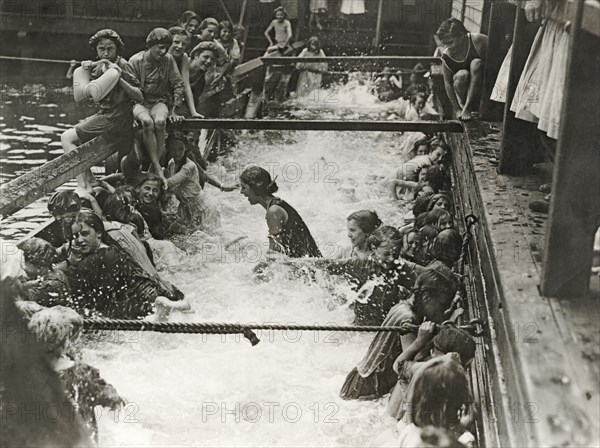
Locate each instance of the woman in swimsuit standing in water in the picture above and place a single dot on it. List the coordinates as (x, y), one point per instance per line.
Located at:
(288, 233)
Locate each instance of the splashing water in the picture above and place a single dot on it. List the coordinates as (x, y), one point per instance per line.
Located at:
(212, 390)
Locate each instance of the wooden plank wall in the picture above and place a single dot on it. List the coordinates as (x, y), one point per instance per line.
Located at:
(470, 12)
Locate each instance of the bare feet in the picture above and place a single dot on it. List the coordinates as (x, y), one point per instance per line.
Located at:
(465, 115)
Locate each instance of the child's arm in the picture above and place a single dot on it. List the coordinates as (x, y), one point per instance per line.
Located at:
(179, 177)
(289, 33)
(396, 81)
(215, 183)
(84, 87)
(267, 31)
(425, 334)
(177, 86)
(130, 84)
(187, 88)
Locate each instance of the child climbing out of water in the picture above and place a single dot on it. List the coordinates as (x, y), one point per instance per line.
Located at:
(55, 329)
(463, 66)
(111, 82)
(160, 80)
(183, 180)
(283, 31)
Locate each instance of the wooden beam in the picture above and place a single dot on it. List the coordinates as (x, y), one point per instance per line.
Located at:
(409, 60)
(575, 209)
(518, 136)
(29, 187)
(377, 40)
(324, 125)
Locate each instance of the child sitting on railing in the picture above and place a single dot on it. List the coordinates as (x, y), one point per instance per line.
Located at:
(283, 32)
(160, 80)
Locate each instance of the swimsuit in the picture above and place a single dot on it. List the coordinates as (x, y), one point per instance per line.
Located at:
(295, 237)
(455, 66)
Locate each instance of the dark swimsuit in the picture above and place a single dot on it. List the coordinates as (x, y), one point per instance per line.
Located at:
(295, 237)
(455, 66)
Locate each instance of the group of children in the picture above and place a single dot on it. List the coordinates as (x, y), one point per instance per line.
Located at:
(115, 229)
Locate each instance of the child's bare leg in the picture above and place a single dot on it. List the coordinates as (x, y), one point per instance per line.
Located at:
(70, 142)
(461, 86)
(143, 116)
(159, 114)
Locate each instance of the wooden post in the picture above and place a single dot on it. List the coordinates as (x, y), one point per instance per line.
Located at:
(243, 12)
(575, 209)
(377, 40)
(519, 147)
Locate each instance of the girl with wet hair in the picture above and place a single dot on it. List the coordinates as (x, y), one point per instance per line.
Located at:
(439, 218)
(288, 234)
(432, 296)
(111, 82)
(178, 49)
(439, 396)
(446, 247)
(427, 235)
(310, 73)
(440, 200)
(361, 225)
(106, 281)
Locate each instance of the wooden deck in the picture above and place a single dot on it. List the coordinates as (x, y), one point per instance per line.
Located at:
(543, 353)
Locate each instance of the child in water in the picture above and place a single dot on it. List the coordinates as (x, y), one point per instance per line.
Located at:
(55, 329)
(283, 31)
(160, 80)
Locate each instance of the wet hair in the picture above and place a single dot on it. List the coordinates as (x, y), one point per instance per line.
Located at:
(440, 279)
(420, 220)
(437, 178)
(116, 208)
(434, 216)
(28, 308)
(423, 141)
(367, 220)
(314, 39)
(384, 233)
(420, 204)
(150, 177)
(451, 28)
(38, 252)
(428, 233)
(159, 36)
(226, 24)
(106, 34)
(415, 97)
(440, 391)
(436, 197)
(185, 18)
(205, 46)
(53, 327)
(177, 137)
(207, 22)
(177, 31)
(451, 339)
(438, 437)
(259, 180)
(447, 246)
(282, 9)
(65, 201)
